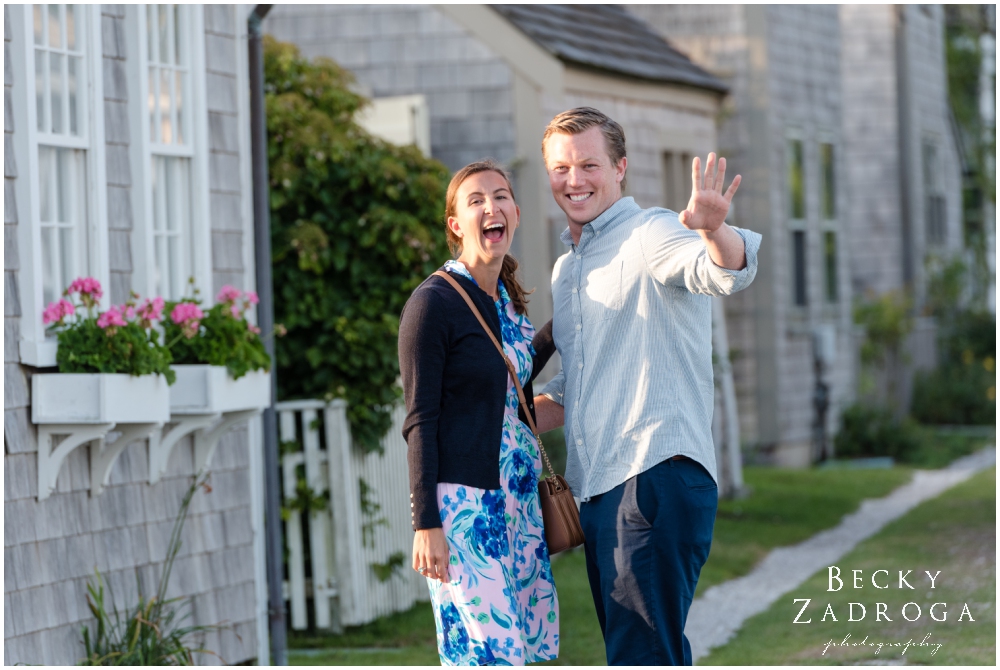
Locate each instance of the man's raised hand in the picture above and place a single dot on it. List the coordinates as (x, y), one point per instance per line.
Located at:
(708, 207)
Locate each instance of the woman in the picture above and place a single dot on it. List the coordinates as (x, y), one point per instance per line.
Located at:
(474, 463)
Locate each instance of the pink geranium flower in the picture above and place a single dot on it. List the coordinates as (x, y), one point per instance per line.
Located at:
(89, 289)
(57, 311)
(228, 294)
(87, 286)
(150, 310)
(188, 316)
(252, 297)
(111, 318)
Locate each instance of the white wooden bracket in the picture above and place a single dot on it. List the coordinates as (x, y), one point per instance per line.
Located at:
(159, 454)
(205, 442)
(104, 455)
(206, 438)
(50, 458)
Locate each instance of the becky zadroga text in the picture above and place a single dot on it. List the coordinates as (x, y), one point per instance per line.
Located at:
(879, 579)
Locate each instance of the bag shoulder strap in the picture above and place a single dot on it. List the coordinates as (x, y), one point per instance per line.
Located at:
(510, 366)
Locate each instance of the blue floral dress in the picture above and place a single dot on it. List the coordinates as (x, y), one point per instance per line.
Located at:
(500, 607)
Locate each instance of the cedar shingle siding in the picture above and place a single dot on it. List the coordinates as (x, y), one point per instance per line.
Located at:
(52, 547)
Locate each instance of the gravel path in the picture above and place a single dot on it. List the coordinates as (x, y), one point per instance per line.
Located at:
(717, 615)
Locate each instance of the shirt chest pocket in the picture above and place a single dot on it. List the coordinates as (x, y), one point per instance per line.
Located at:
(601, 297)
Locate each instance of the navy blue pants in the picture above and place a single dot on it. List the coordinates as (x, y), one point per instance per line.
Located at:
(646, 542)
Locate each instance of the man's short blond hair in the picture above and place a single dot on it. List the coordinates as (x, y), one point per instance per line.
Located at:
(577, 120)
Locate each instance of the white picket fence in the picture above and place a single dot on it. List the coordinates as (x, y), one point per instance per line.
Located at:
(350, 541)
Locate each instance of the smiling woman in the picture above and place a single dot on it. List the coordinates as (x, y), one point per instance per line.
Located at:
(474, 463)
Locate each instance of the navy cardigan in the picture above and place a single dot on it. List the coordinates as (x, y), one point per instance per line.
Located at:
(454, 385)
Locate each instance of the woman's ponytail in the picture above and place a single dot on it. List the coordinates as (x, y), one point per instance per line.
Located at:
(508, 275)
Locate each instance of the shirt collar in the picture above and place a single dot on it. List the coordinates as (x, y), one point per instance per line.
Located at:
(456, 267)
(622, 209)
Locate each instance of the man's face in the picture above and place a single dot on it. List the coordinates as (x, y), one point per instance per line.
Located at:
(583, 179)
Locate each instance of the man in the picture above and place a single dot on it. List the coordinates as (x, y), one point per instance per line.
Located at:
(633, 325)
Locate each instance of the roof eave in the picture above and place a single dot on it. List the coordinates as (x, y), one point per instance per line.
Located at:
(717, 87)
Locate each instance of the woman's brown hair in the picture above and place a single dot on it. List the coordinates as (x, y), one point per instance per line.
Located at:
(508, 272)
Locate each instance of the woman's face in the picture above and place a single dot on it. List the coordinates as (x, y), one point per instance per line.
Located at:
(485, 217)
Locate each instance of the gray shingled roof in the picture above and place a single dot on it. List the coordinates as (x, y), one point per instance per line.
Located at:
(608, 38)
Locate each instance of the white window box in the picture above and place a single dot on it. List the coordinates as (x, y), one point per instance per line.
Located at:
(85, 407)
(86, 398)
(207, 402)
(207, 389)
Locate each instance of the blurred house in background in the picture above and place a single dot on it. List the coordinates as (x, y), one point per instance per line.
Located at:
(126, 158)
(782, 130)
(493, 76)
(839, 119)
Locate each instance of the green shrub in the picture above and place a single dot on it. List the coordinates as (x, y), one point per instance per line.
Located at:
(871, 430)
(957, 394)
(962, 389)
(356, 225)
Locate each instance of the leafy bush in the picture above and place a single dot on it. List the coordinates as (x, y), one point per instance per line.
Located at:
(355, 227)
(149, 633)
(869, 430)
(887, 321)
(220, 336)
(962, 389)
(120, 339)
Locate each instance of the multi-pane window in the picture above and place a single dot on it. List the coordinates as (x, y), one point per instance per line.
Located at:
(171, 210)
(830, 264)
(828, 204)
(168, 73)
(796, 180)
(168, 116)
(795, 158)
(934, 200)
(828, 184)
(60, 88)
(799, 293)
(59, 72)
(62, 210)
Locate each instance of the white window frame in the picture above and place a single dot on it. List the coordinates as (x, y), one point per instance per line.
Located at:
(197, 247)
(35, 348)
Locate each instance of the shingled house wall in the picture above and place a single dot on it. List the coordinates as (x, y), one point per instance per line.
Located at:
(52, 547)
(404, 50)
(782, 64)
(491, 87)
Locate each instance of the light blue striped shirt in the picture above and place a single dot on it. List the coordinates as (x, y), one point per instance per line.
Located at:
(633, 325)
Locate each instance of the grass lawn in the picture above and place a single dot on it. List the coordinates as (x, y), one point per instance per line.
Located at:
(954, 533)
(785, 507)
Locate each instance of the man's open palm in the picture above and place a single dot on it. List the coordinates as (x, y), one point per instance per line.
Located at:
(708, 206)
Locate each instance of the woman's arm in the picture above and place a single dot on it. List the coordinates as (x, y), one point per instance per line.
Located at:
(423, 345)
(548, 413)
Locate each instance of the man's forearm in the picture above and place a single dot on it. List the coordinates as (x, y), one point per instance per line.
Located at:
(725, 247)
(548, 413)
